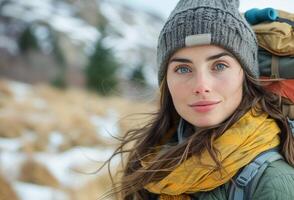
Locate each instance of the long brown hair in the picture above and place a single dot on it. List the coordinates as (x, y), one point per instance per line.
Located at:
(162, 126)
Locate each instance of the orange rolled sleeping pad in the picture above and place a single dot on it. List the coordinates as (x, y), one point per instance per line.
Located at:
(284, 88)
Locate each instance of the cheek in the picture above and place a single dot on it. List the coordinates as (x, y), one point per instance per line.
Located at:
(177, 91)
(174, 90)
(233, 89)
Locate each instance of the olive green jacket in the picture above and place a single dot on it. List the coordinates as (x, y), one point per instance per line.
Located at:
(276, 183)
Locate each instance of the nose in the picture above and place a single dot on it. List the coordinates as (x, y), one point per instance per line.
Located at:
(201, 84)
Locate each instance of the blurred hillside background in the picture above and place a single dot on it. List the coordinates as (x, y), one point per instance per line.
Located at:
(72, 74)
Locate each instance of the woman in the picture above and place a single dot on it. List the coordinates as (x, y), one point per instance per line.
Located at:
(214, 117)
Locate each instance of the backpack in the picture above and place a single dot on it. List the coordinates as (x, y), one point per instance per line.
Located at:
(274, 30)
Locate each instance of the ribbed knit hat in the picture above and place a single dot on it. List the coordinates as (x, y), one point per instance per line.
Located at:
(200, 22)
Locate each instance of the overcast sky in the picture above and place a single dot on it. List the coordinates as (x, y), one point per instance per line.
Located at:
(163, 7)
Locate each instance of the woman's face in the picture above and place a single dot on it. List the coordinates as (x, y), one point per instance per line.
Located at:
(205, 83)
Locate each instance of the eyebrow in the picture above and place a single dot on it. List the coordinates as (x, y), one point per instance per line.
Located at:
(213, 57)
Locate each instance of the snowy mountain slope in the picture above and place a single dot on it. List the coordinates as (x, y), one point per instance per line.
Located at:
(131, 33)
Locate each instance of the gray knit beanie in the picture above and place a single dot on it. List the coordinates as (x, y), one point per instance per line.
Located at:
(200, 22)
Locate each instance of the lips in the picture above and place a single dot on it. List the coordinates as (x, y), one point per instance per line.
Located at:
(204, 103)
(204, 106)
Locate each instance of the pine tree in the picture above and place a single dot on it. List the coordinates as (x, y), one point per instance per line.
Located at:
(28, 40)
(138, 77)
(59, 81)
(101, 70)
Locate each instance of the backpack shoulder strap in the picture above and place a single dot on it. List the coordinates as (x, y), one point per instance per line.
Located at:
(291, 124)
(244, 184)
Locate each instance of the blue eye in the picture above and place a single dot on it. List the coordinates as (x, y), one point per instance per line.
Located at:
(182, 70)
(220, 67)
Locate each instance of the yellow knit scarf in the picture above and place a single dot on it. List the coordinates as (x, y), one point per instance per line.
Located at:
(237, 146)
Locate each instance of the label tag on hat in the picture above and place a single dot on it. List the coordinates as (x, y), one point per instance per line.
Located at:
(199, 39)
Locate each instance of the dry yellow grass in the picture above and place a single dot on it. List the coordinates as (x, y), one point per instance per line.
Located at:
(44, 110)
(34, 172)
(6, 191)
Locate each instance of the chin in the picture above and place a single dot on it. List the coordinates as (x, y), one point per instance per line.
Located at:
(206, 123)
